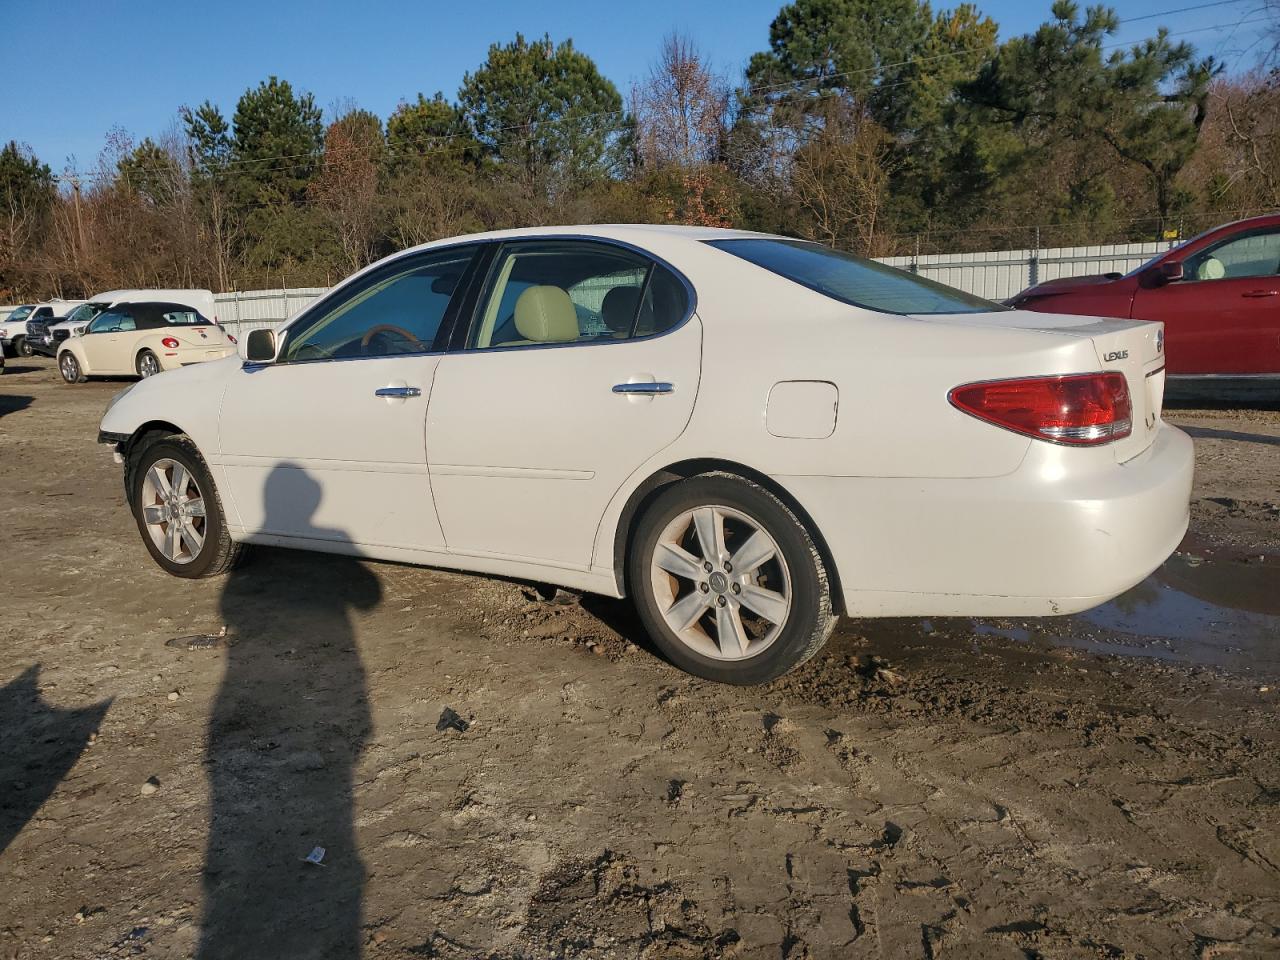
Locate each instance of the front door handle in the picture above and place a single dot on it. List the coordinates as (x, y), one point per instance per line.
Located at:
(648, 388)
(398, 392)
(1260, 293)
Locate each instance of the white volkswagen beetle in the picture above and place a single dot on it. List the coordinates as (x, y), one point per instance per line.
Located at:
(142, 339)
(746, 434)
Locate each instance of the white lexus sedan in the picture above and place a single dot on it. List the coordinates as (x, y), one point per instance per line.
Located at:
(748, 435)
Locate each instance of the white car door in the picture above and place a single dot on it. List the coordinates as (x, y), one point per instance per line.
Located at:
(327, 443)
(577, 368)
(107, 340)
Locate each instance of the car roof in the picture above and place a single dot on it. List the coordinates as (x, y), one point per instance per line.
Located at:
(640, 234)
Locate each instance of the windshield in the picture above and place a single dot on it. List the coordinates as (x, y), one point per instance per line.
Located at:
(854, 280)
(86, 311)
(21, 313)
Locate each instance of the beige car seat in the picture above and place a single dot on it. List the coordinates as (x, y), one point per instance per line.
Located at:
(545, 314)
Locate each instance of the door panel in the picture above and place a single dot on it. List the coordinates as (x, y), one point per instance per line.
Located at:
(310, 450)
(528, 446)
(1218, 327)
(1224, 318)
(328, 442)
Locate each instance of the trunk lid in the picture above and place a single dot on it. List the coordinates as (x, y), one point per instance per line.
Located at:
(201, 335)
(1132, 347)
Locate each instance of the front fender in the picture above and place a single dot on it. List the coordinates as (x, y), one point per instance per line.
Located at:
(76, 350)
(188, 400)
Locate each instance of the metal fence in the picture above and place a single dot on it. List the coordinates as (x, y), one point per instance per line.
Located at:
(996, 275)
(1000, 274)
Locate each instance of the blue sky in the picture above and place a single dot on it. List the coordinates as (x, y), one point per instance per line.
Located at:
(134, 64)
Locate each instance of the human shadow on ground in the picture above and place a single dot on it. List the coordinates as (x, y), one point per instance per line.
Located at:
(13, 402)
(39, 744)
(286, 731)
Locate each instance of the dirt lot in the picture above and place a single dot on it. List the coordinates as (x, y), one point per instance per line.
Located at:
(1098, 786)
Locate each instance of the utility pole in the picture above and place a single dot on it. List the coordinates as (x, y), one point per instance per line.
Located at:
(75, 190)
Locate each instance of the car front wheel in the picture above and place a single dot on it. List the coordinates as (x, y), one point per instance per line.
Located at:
(178, 510)
(69, 367)
(20, 347)
(727, 580)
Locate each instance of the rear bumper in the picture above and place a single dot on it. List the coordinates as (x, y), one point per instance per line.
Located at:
(186, 356)
(1064, 532)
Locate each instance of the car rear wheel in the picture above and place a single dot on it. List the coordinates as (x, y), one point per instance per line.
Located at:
(727, 580)
(69, 367)
(148, 364)
(178, 511)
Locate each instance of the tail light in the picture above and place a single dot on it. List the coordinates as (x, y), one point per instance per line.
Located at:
(1081, 410)
(230, 337)
(171, 343)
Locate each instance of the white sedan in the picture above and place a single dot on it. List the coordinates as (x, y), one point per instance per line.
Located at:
(746, 434)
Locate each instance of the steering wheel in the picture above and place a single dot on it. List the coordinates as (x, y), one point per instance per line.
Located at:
(387, 328)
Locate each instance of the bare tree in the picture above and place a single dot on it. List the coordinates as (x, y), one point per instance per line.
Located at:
(681, 109)
(346, 186)
(841, 178)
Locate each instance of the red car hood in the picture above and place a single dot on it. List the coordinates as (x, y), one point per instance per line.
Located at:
(1063, 285)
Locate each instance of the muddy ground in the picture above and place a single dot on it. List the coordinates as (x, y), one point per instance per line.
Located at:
(1096, 786)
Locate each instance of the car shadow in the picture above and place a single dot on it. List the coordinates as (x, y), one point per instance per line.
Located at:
(286, 730)
(13, 402)
(39, 744)
(1209, 433)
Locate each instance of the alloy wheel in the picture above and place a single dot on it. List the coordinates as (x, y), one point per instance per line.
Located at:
(69, 368)
(173, 510)
(721, 582)
(148, 365)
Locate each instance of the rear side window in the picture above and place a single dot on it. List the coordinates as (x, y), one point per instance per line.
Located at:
(186, 317)
(854, 280)
(543, 292)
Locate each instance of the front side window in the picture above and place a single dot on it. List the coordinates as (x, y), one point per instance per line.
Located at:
(854, 280)
(1255, 254)
(395, 311)
(558, 292)
(43, 313)
(112, 321)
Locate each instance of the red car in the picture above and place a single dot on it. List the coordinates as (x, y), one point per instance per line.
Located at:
(1218, 296)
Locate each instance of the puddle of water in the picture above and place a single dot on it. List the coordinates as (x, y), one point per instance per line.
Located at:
(1207, 612)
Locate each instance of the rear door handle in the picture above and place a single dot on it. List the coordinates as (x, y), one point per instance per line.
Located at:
(647, 388)
(397, 392)
(1260, 293)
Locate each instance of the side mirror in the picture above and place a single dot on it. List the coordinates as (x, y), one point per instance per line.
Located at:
(260, 346)
(1171, 271)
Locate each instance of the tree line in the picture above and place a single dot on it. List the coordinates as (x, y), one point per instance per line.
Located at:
(877, 126)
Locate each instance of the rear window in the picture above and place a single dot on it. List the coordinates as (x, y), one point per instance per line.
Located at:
(854, 280)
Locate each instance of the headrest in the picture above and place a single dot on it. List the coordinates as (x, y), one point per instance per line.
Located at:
(545, 314)
(618, 309)
(1211, 269)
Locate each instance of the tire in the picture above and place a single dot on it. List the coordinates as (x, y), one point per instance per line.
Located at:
(215, 553)
(69, 367)
(730, 641)
(148, 364)
(20, 347)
